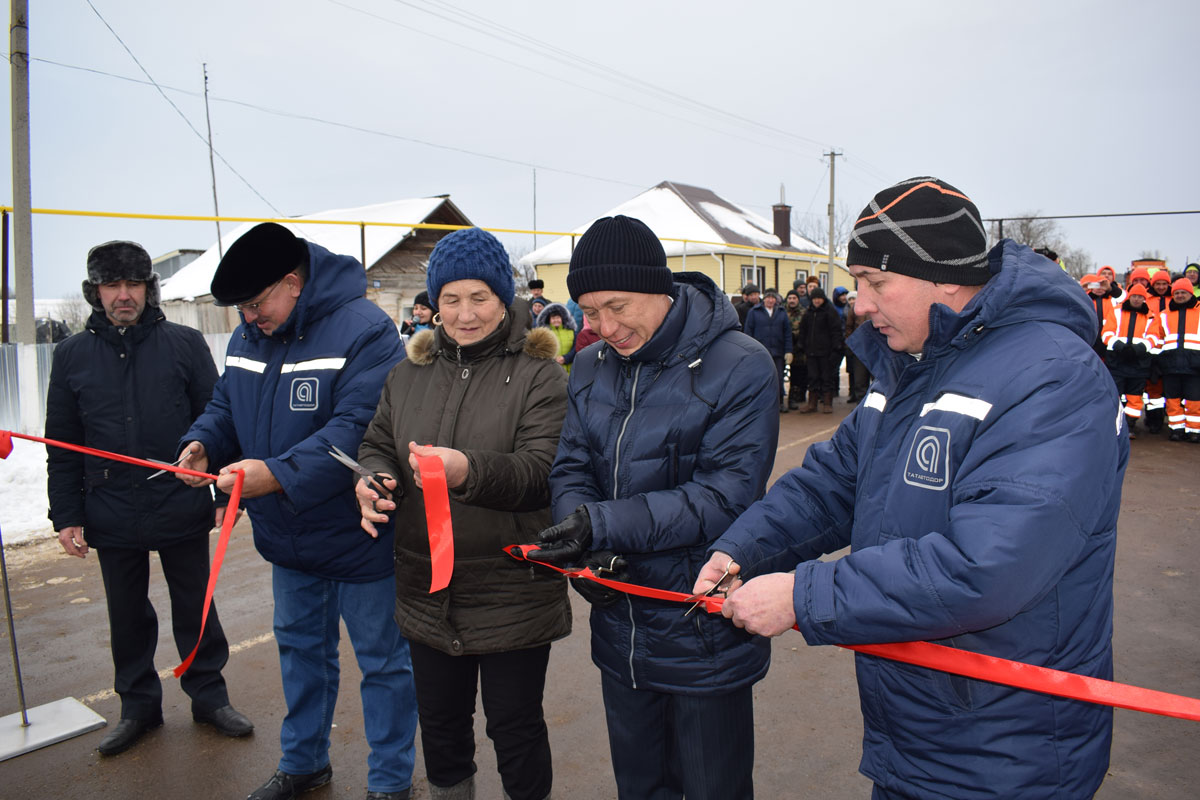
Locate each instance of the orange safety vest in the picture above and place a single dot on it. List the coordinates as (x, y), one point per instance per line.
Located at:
(1132, 327)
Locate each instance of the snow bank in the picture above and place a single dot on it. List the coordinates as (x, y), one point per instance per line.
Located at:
(23, 494)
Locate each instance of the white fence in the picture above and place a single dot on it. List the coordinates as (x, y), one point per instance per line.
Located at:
(25, 376)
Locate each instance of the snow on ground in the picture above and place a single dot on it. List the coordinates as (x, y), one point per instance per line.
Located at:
(23, 494)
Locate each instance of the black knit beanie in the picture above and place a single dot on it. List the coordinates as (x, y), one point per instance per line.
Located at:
(618, 254)
(923, 228)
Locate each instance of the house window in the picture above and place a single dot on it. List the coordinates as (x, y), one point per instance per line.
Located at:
(753, 274)
(801, 276)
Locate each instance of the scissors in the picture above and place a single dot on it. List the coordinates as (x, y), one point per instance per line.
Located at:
(699, 598)
(176, 463)
(373, 480)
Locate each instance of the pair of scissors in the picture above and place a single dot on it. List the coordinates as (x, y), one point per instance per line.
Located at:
(699, 598)
(373, 480)
(176, 463)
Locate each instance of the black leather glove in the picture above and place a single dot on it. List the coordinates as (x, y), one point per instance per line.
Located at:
(566, 542)
(605, 564)
(1119, 345)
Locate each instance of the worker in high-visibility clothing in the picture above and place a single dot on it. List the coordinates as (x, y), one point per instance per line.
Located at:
(1179, 362)
(1131, 336)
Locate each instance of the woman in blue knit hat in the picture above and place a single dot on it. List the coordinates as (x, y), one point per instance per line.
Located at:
(484, 393)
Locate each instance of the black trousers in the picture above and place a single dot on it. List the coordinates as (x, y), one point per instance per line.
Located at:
(133, 626)
(822, 374)
(860, 378)
(798, 386)
(671, 746)
(511, 684)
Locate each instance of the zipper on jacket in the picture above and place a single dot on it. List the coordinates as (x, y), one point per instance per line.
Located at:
(616, 470)
(624, 424)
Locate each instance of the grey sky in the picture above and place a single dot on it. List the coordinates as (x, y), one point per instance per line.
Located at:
(1063, 107)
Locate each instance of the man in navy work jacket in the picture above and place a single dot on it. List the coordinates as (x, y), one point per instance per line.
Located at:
(670, 433)
(978, 486)
(131, 382)
(303, 372)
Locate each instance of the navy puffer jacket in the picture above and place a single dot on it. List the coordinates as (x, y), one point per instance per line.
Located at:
(773, 331)
(978, 488)
(665, 448)
(286, 398)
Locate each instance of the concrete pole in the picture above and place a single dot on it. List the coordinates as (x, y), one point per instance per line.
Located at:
(18, 48)
(832, 160)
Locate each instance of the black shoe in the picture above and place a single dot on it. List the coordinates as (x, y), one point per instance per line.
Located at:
(793, 405)
(1194, 438)
(282, 786)
(127, 732)
(1176, 436)
(401, 795)
(227, 720)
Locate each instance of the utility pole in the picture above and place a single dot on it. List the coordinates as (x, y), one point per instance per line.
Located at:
(18, 48)
(213, 169)
(833, 154)
(535, 208)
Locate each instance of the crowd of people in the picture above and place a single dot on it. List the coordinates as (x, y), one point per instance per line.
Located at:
(1150, 341)
(631, 429)
(805, 334)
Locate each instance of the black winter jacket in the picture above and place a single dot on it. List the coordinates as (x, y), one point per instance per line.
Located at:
(132, 390)
(821, 332)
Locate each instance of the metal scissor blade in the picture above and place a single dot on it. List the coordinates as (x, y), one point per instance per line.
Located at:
(699, 598)
(176, 463)
(371, 478)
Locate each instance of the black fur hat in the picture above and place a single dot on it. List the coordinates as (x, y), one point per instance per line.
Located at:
(115, 261)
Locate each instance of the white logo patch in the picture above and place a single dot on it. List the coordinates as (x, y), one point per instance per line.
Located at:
(303, 396)
(928, 464)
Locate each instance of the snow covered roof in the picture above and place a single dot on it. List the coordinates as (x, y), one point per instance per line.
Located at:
(709, 223)
(194, 279)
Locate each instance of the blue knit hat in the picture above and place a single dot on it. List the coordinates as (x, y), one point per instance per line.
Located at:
(470, 254)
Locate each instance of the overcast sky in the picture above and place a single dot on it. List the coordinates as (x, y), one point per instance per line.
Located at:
(1057, 107)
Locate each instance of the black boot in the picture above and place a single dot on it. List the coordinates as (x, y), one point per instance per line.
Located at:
(1154, 419)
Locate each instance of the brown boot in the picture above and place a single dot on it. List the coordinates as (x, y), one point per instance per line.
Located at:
(827, 399)
(812, 404)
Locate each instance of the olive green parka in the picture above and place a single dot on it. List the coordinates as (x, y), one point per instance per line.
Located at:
(502, 402)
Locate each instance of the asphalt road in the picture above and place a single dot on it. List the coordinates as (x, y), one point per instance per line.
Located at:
(808, 727)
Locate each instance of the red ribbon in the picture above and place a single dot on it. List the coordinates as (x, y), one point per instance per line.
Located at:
(235, 497)
(948, 659)
(437, 520)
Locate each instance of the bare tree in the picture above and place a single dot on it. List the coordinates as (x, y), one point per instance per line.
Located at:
(1039, 233)
(74, 311)
(815, 227)
(522, 273)
(1155, 255)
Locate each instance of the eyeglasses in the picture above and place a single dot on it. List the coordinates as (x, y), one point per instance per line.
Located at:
(244, 307)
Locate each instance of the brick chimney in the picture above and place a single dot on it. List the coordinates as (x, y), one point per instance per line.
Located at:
(783, 220)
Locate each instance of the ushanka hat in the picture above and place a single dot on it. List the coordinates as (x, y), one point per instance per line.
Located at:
(259, 258)
(924, 228)
(470, 254)
(618, 254)
(119, 261)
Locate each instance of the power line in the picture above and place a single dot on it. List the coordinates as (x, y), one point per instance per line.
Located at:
(1091, 216)
(616, 98)
(336, 124)
(177, 110)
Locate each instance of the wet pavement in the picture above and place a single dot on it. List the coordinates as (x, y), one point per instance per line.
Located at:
(808, 726)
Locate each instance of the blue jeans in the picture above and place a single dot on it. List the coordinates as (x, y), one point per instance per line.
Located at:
(671, 746)
(306, 629)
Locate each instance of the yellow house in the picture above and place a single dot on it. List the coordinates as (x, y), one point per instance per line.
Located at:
(703, 232)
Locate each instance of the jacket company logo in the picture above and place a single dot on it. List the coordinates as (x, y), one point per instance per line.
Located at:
(928, 462)
(304, 394)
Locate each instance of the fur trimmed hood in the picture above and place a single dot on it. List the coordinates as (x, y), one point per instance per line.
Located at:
(540, 343)
(543, 317)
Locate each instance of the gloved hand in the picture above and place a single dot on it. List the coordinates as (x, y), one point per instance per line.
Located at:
(566, 542)
(605, 564)
(788, 358)
(1119, 345)
(1140, 348)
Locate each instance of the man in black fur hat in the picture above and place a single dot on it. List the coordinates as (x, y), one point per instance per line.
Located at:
(132, 383)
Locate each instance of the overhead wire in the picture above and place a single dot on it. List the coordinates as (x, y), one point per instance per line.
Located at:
(178, 111)
(561, 79)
